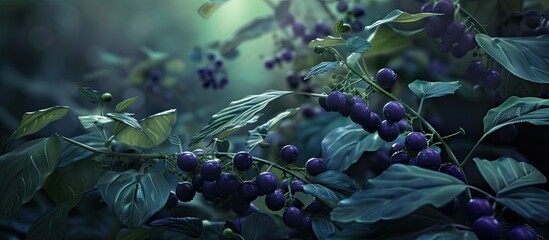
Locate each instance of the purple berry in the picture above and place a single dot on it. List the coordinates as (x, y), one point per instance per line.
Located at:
(287, 55)
(198, 182)
(342, 6)
(492, 80)
(520, 232)
(315, 166)
(172, 201)
(218, 64)
(284, 186)
(398, 146)
(298, 29)
(308, 37)
(227, 184)
(476, 71)
(356, 26)
(452, 170)
(386, 77)
(435, 26)
(248, 191)
(388, 131)
(290, 19)
(532, 19)
(185, 191)
(445, 7)
(477, 208)
(210, 170)
(415, 141)
(413, 161)
(394, 111)
(458, 52)
(359, 113)
(210, 56)
(487, 228)
(372, 123)
(187, 161)
(444, 47)
(429, 158)
(289, 153)
(209, 191)
(335, 101)
(266, 183)
(269, 64)
(402, 124)
(358, 11)
(292, 217)
(297, 186)
(467, 42)
(427, 8)
(315, 206)
(275, 201)
(401, 157)
(322, 103)
(453, 32)
(238, 205)
(242, 161)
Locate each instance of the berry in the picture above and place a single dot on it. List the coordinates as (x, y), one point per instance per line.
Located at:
(209, 191)
(532, 19)
(429, 158)
(185, 191)
(393, 111)
(388, 131)
(275, 201)
(248, 191)
(398, 146)
(451, 208)
(290, 19)
(306, 226)
(297, 186)
(238, 205)
(359, 112)
(106, 97)
(452, 170)
(292, 217)
(172, 201)
(198, 182)
(242, 161)
(444, 47)
(415, 141)
(520, 232)
(402, 124)
(487, 228)
(435, 26)
(427, 8)
(296, 203)
(386, 77)
(315, 206)
(458, 52)
(287, 55)
(401, 157)
(342, 6)
(210, 56)
(187, 161)
(453, 32)
(308, 37)
(335, 101)
(372, 123)
(266, 183)
(315, 166)
(358, 11)
(289, 153)
(475, 71)
(413, 161)
(210, 170)
(357, 99)
(269, 64)
(284, 186)
(322, 103)
(492, 80)
(218, 64)
(227, 184)
(322, 28)
(467, 42)
(298, 29)
(477, 208)
(356, 26)
(445, 7)
(228, 233)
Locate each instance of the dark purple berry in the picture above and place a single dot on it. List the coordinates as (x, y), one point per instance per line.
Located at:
(452, 170)
(532, 19)
(467, 41)
(342, 6)
(306, 226)
(453, 32)
(269, 64)
(359, 113)
(289, 153)
(356, 26)
(477, 208)
(402, 124)
(458, 52)
(290, 19)
(185, 191)
(292, 217)
(308, 37)
(187, 161)
(388, 131)
(401, 157)
(358, 11)
(209, 191)
(287, 55)
(296, 203)
(413, 161)
(445, 7)
(210, 56)
(372, 123)
(210, 170)
(435, 26)
(298, 29)
(227, 184)
(451, 208)
(444, 47)
(393, 111)
(386, 77)
(427, 8)
(415, 141)
(239, 205)
(242, 161)
(476, 71)
(284, 186)
(357, 99)
(248, 191)
(315, 206)
(335, 101)
(520, 232)
(487, 228)
(172, 201)
(275, 201)
(218, 64)
(266, 183)
(315, 166)
(398, 146)
(429, 158)
(198, 182)
(297, 186)
(322, 103)
(492, 80)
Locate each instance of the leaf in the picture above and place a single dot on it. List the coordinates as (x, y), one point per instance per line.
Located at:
(236, 115)
(343, 146)
(357, 44)
(336, 180)
(506, 174)
(125, 119)
(124, 105)
(530, 203)
(52, 225)
(133, 234)
(424, 89)
(258, 226)
(253, 29)
(93, 120)
(24, 170)
(134, 196)
(322, 192)
(516, 110)
(177, 140)
(398, 16)
(322, 227)
(157, 127)
(258, 134)
(34, 121)
(71, 153)
(321, 68)
(189, 226)
(385, 40)
(92, 95)
(208, 8)
(399, 185)
(525, 57)
(448, 234)
(328, 41)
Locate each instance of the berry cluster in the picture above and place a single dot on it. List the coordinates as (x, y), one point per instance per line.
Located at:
(477, 72)
(531, 23)
(353, 14)
(213, 75)
(285, 55)
(452, 33)
(320, 29)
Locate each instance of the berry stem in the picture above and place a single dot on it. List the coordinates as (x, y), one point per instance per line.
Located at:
(473, 20)
(466, 159)
(481, 191)
(95, 150)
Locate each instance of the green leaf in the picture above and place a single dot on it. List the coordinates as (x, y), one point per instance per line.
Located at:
(424, 89)
(157, 127)
(135, 196)
(236, 115)
(124, 105)
(93, 120)
(343, 146)
(398, 186)
(357, 45)
(52, 225)
(71, 153)
(385, 40)
(177, 140)
(530, 203)
(506, 174)
(125, 118)
(448, 234)
(24, 170)
(258, 226)
(323, 192)
(336, 180)
(328, 41)
(189, 226)
(134, 234)
(516, 110)
(322, 227)
(258, 134)
(92, 95)
(34, 121)
(208, 8)
(321, 68)
(398, 16)
(525, 57)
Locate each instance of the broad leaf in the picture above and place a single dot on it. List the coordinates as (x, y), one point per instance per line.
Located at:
(125, 119)
(531, 203)
(208, 8)
(157, 127)
(506, 174)
(189, 226)
(399, 185)
(90, 121)
(525, 57)
(258, 134)
(34, 121)
(343, 146)
(322, 227)
(258, 226)
(71, 153)
(425, 89)
(134, 196)
(328, 41)
(516, 110)
(25, 170)
(92, 95)
(321, 68)
(323, 192)
(357, 45)
(336, 180)
(398, 16)
(52, 225)
(236, 115)
(385, 40)
(448, 234)
(124, 105)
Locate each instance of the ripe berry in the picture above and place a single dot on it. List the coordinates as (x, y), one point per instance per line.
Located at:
(185, 191)
(248, 191)
(356, 26)
(520, 232)
(401, 157)
(315, 166)
(477, 208)
(358, 11)
(458, 52)
(388, 131)
(209, 191)
(444, 47)
(335, 101)
(242, 161)
(292, 217)
(296, 203)
(298, 29)
(210, 170)
(297, 186)
(475, 71)
(275, 201)
(402, 124)
(218, 64)
(284, 186)
(429, 158)
(266, 183)
(372, 123)
(453, 32)
(452, 170)
(413, 161)
(467, 42)
(269, 64)
(415, 141)
(386, 77)
(172, 201)
(315, 206)
(198, 182)
(445, 7)
(492, 80)
(427, 8)
(187, 161)
(238, 205)
(342, 6)
(306, 226)
(435, 26)
(398, 146)
(289, 153)
(532, 19)
(106, 97)
(487, 228)
(322, 103)
(287, 55)
(227, 184)
(359, 113)
(393, 111)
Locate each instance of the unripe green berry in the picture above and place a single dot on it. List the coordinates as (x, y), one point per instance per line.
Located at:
(228, 233)
(106, 97)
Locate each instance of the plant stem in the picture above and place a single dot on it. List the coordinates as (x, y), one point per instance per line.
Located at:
(310, 94)
(471, 152)
(481, 191)
(420, 106)
(95, 150)
(327, 10)
(473, 20)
